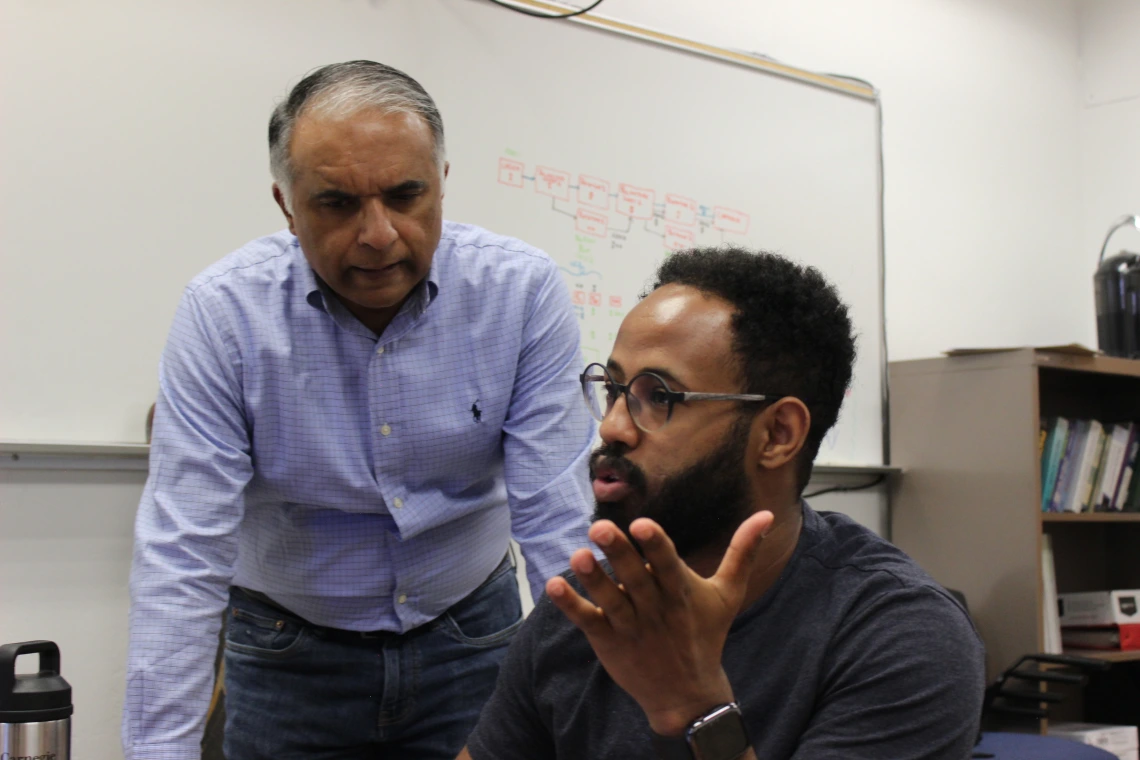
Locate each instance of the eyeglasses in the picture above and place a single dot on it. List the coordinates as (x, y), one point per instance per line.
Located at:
(647, 396)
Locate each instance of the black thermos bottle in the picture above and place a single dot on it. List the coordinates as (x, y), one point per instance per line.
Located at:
(1116, 286)
(35, 708)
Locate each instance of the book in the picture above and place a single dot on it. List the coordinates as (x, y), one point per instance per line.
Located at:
(1131, 500)
(1054, 450)
(1110, 452)
(1125, 484)
(1116, 450)
(1099, 471)
(1095, 608)
(1066, 473)
(1086, 471)
(1050, 611)
(1109, 637)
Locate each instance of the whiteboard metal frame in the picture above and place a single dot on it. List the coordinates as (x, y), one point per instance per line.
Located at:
(827, 81)
(50, 455)
(53, 455)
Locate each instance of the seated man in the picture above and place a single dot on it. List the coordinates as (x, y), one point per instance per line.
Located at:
(732, 620)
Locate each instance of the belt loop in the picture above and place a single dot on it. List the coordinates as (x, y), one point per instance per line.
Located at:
(511, 553)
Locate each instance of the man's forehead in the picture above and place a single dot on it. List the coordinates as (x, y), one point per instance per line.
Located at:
(681, 311)
(677, 328)
(360, 135)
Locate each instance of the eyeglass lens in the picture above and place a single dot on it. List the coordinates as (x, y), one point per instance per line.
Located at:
(646, 400)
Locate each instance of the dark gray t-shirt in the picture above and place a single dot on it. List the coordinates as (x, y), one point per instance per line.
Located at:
(854, 653)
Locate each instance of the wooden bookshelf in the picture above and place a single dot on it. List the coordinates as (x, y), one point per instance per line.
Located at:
(965, 430)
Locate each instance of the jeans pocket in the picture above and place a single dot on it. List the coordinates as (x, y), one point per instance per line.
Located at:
(489, 616)
(252, 633)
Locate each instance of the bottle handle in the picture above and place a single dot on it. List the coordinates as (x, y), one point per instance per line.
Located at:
(49, 661)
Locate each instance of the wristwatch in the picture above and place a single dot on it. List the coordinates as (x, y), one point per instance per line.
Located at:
(716, 735)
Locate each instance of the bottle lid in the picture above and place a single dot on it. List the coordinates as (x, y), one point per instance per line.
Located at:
(33, 697)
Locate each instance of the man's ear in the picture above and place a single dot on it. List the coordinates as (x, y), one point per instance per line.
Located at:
(784, 429)
(280, 198)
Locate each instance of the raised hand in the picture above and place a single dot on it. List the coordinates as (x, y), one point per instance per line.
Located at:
(661, 632)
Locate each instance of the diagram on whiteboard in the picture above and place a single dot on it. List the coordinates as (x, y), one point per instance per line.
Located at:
(616, 233)
(608, 236)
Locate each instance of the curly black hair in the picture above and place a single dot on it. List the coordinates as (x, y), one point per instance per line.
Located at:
(793, 335)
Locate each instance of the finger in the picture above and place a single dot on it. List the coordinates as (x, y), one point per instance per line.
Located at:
(740, 558)
(603, 590)
(588, 618)
(629, 567)
(670, 570)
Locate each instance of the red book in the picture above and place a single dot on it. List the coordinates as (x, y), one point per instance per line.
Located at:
(1109, 637)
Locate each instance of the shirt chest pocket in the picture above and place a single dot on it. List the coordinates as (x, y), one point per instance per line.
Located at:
(459, 444)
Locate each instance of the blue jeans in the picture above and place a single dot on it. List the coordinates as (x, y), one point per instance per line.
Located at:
(296, 690)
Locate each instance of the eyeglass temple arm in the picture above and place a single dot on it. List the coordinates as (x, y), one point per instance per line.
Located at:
(691, 396)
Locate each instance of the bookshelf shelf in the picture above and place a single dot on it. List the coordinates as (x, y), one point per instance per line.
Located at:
(966, 431)
(1091, 517)
(1131, 655)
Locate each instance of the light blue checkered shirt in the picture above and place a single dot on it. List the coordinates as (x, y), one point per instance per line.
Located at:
(363, 483)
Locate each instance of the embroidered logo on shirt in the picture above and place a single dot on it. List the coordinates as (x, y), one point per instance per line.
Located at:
(476, 412)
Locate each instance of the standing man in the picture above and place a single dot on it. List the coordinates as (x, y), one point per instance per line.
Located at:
(731, 620)
(354, 416)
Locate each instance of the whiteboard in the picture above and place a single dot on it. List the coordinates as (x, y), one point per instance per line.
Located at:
(133, 151)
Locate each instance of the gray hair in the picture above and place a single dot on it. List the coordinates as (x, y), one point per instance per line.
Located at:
(342, 89)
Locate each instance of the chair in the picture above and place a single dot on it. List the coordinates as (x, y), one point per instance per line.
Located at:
(1014, 706)
(1015, 701)
(1001, 746)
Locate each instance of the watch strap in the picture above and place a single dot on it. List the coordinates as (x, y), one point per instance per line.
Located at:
(670, 747)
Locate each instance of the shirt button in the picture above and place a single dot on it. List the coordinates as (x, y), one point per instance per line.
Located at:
(385, 429)
(380, 350)
(402, 598)
(398, 503)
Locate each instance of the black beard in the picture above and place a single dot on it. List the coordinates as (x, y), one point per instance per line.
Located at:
(699, 508)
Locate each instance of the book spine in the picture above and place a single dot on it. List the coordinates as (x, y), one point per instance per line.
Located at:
(1054, 451)
(1124, 636)
(1050, 611)
(1099, 476)
(1113, 461)
(1076, 638)
(1049, 427)
(1120, 496)
(1091, 467)
(1130, 501)
(1070, 466)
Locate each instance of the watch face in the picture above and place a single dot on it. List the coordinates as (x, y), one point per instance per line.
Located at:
(719, 736)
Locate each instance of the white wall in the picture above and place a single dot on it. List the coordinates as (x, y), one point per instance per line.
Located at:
(65, 553)
(980, 134)
(1109, 124)
(984, 237)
